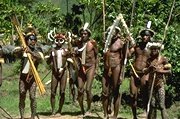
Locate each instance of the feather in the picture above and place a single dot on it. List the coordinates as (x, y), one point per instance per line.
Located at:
(154, 44)
(85, 26)
(148, 25)
(50, 36)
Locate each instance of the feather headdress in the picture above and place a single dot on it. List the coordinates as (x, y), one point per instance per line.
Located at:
(85, 28)
(147, 31)
(154, 45)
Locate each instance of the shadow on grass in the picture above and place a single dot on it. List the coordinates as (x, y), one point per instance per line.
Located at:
(44, 113)
(72, 113)
(98, 117)
(92, 117)
(63, 113)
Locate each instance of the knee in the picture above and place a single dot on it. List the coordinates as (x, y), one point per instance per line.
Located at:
(105, 93)
(53, 94)
(80, 90)
(62, 93)
(162, 106)
(153, 105)
(22, 95)
(115, 93)
(133, 100)
(32, 96)
(88, 92)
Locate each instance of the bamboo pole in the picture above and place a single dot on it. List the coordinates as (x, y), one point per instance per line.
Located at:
(104, 20)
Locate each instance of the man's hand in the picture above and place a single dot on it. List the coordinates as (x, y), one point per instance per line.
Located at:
(28, 50)
(152, 68)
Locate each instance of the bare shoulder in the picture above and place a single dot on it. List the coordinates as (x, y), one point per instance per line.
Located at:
(93, 42)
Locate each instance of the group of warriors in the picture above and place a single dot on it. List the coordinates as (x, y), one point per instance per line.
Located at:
(78, 57)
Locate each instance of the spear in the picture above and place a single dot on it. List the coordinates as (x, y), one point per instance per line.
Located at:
(104, 19)
(152, 86)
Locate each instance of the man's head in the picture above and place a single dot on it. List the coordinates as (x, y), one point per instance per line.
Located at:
(31, 39)
(146, 34)
(59, 39)
(155, 48)
(84, 34)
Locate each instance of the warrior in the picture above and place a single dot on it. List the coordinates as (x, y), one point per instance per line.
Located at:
(87, 51)
(58, 62)
(73, 65)
(27, 81)
(139, 81)
(112, 75)
(158, 68)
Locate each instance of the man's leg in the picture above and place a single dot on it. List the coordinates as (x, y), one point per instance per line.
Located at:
(115, 87)
(32, 95)
(81, 93)
(161, 98)
(105, 94)
(144, 91)
(62, 91)
(133, 94)
(90, 77)
(54, 84)
(22, 97)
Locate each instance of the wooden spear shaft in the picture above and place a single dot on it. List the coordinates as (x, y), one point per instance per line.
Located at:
(104, 20)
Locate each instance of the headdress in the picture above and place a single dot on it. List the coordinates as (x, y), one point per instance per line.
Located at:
(85, 28)
(60, 37)
(157, 45)
(147, 31)
(30, 29)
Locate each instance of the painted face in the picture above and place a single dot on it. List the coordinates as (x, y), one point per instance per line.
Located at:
(84, 35)
(31, 41)
(59, 41)
(146, 38)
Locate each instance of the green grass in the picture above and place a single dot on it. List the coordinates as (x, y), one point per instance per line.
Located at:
(9, 96)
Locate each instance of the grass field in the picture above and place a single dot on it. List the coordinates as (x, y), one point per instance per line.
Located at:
(9, 97)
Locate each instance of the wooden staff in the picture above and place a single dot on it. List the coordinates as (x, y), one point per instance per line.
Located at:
(33, 68)
(104, 20)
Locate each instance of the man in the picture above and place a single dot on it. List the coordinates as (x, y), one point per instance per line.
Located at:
(157, 67)
(27, 81)
(112, 75)
(73, 66)
(139, 81)
(57, 59)
(87, 52)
